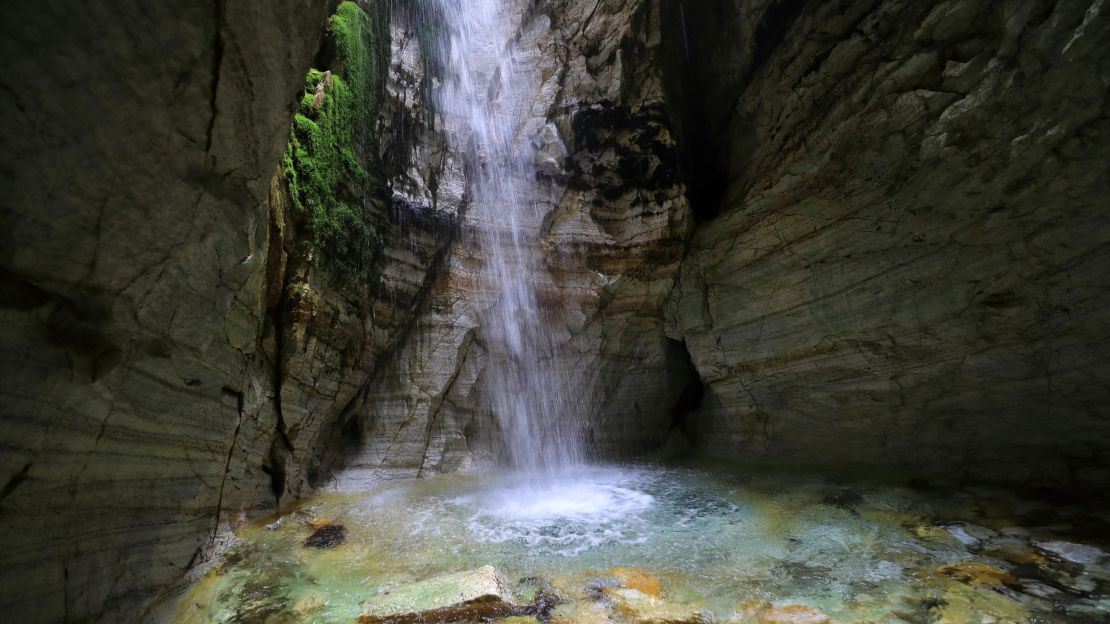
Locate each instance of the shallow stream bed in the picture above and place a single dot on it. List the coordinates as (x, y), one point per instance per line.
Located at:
(708, 541)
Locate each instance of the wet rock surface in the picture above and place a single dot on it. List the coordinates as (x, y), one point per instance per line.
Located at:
(138, 396)
(175, 361)
(327, 536)
(903, 239)
(743, 547)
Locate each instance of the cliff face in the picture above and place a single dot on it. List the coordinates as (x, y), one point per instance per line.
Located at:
(614, 224)
(175, 358)
(904, 255)
(898, 253)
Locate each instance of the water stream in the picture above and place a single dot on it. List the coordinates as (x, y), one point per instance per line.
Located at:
(485, 99)
(705, 538)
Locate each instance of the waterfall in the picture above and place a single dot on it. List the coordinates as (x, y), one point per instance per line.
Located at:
(486, 97)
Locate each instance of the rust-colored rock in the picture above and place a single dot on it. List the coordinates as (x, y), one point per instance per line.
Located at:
(978, 574)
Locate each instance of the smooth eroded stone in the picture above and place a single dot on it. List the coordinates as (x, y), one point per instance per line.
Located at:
(635, 578)
(636, 606)
(1075, 553)
(457, 596)
(580, 613)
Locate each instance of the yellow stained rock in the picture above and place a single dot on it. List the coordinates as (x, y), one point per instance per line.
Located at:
(978, 574)
(961, 604)
(932, 532)
(635, 578)
(638, 607)
(889, 517)
(749, 611)
(1018, 555)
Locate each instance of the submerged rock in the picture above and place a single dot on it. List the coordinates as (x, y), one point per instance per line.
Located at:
(1075, 553)
(978, 574)
(758, 611)
(580, 613)
(480, 593)
(793, 614)
(635, 578)
(581, 586)
(635, 605)
(327, 536)
(959, 603)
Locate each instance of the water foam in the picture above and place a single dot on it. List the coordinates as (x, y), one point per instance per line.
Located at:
(565, 516)
(487, 102)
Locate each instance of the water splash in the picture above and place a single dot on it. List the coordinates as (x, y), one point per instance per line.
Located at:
(584, 509)
(486, 98)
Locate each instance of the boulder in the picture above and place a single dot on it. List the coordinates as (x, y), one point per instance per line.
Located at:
(480, 593)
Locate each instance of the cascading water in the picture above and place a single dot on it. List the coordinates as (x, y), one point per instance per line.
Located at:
(485, 99)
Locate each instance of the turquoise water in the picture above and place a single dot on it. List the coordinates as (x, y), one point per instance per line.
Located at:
(707, 538)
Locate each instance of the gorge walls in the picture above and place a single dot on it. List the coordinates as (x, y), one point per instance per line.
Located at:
(614, 221)
(860, 231)
(903, 258)
(176, 347)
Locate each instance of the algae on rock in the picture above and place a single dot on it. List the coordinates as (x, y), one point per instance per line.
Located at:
(326, 163)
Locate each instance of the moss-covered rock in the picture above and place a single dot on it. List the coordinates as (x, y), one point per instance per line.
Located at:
(329, 162)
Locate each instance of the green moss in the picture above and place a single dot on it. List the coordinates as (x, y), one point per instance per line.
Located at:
(332, 145)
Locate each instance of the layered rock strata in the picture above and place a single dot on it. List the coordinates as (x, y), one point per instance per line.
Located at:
(614, 222)
(907, 265)
(174, 361)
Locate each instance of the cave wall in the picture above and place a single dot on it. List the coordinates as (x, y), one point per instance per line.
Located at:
(904, 239)
(173, 360)
(875, 229)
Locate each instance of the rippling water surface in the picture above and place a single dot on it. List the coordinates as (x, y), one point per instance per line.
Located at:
(714, 538)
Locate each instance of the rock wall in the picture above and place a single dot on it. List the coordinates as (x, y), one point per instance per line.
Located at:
(616, 219)
(173, 360)
(904, 248)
